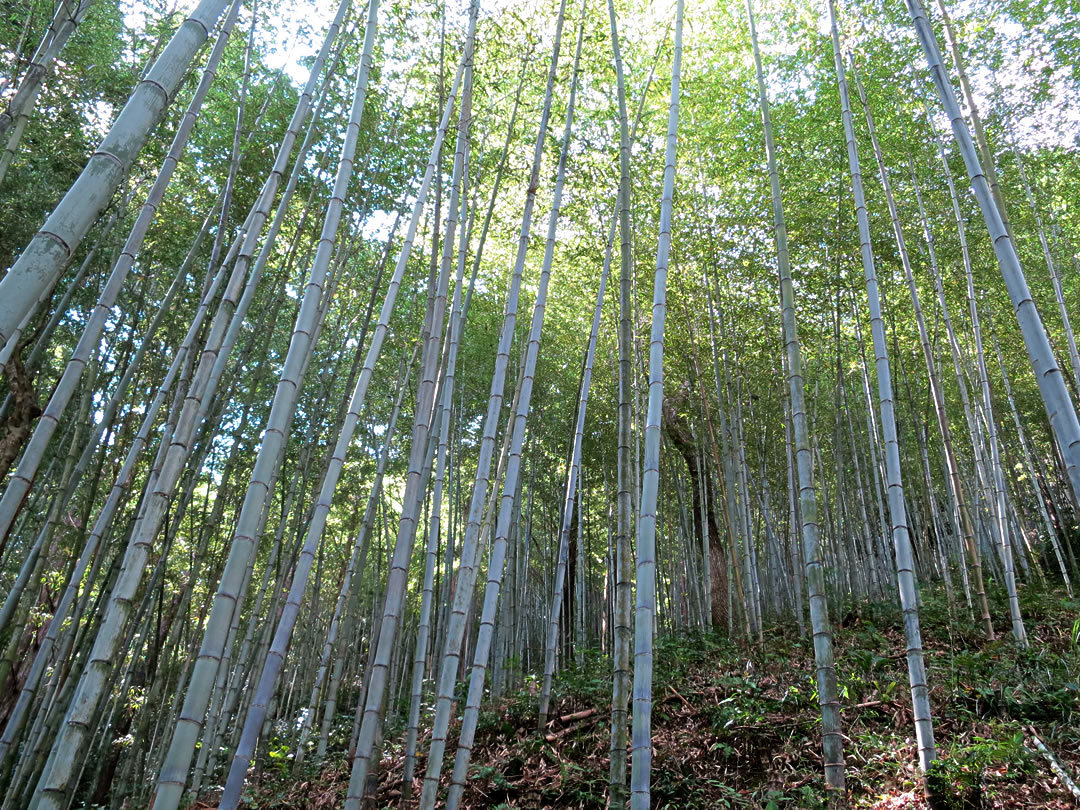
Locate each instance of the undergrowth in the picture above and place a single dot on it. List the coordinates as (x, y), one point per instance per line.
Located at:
(738, 726)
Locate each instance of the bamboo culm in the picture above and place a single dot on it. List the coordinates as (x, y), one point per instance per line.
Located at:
(1055, 394)
(466, 577)
(645, 606)
(40, 264)
(897, 511)
(622, 634)
(832, 738)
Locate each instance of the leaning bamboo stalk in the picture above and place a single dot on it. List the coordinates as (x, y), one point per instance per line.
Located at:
(228, 682)
(989, 472)
(40, 264)
(1051, 532)
(362, 542)
(275, 656)
(217, 719)
(280, 214)
(354, 571)
(1055, 765)
(572, 484)
(34, 563)
(1051, 266)
(275, 660)
(466, 577)
(497, 561)
(58, 783)
(358, 557)
(173, 453)
(123, 480)
(572, 477)
(61, 308)
(77, 712)
(213, 728)
(1055, 395)
(986, 156)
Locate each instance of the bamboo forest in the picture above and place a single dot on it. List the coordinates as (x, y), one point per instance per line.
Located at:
(539, 403)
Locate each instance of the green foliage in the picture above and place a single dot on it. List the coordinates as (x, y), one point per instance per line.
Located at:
(753, 703)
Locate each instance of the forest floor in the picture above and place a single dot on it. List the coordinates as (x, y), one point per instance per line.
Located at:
(738, 727)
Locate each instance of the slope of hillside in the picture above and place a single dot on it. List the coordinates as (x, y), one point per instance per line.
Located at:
(736, 727)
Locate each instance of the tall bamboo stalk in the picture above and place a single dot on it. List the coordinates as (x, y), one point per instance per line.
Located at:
(19, 484)
(572, 478)
(832, 738)
(622, 634)
(451, 654)
(905, 566)
(988, 471)
(645, 605)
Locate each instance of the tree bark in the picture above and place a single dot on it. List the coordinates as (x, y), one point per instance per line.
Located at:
(678, 431)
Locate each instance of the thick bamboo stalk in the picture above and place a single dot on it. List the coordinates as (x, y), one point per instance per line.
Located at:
(1055, 395)
(1051, 266)
(986, 157)
(61, 309)
(1051, 532)
(645, 605)
(41, 263)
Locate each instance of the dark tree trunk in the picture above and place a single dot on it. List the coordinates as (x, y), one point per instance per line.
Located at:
(678, 431)
(25, 408)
